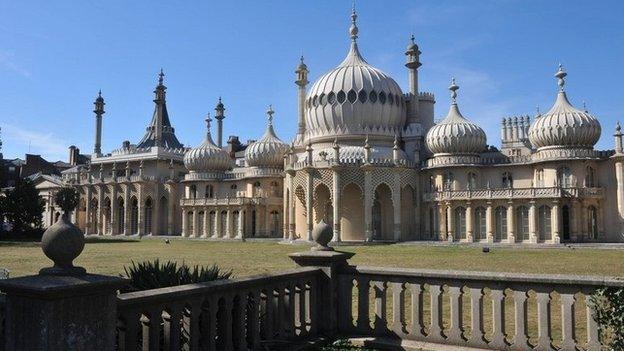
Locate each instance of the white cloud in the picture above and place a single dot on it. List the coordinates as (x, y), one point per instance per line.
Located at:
(8, 61)
(47, 144)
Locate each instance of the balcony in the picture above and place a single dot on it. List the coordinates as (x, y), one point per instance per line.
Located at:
(514, 193)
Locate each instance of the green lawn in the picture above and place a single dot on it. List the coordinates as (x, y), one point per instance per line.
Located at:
(248, 258)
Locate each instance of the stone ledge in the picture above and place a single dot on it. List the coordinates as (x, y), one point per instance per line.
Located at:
(53, 287)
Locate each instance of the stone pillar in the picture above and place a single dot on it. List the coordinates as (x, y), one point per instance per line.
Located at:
(489, 223)
(100, 212)
(309, 206)
(442, 228)
(127, 209)
(46, 312)
(368, 206)
(511, 223)
(239, 233)
(114, 215)
(156, 210)
(140, 208)
(206, 232)
(532, 222)
(336, 191)
(469, 220)
(184, 219)
(171, 210)
(195, 232)
(396, 202)
(450, 231)
(218, 223)
(87, 230)
(291, 210)
(555, 221)
(228, 224)
(619, 177)
(575, 218)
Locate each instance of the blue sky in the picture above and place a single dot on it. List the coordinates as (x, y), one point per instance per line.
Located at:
(55, 55)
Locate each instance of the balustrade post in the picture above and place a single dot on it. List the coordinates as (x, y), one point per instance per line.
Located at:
(398, 308)
(544, 337)
(456, 332)
(435, 330)
(498, 319)
(568, 321)
(418, 327)
(326, 306)
(477, 334)
(380, 323)
(521, 338)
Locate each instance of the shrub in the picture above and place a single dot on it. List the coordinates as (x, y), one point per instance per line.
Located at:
(67, 199)
(344, 345)
(154, 274)
(609, 306)
(22, 206)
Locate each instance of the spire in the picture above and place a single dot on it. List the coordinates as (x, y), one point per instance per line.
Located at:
(561, 74)
(99, 111)
(353, 30)
(208, 135)
(161, 77)
(453, 88)
(270, 113)
(219, 116)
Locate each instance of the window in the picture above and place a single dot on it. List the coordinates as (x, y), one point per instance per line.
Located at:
(323, 99)
(592, 222)
(507, 180)
(522, 223)
(480, 229)
(460, 223)
(209, 192)
(372, 96)
(315, 101)
(472, 180)
(382, 98)
(500, 223)
(539, 178)
(544, 223)
(449, 180)
(391, 99)
(331, 98)
(564, 177)
(193, 191)
(341, 97)
(233, 186)
(362, 96)
(351, 96)
(590, 177)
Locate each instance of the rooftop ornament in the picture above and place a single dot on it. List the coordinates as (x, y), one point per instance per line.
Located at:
(322, 234)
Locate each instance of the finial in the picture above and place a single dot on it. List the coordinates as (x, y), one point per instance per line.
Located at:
(396, 142)
(100, 93)
(453, 88)
(270, 113)
(208, 120)
(585, 106)
(413, 39)
(561, 74)
(617, 127)
(537, 109)
(161, 77)
(301, 59)
(353, 30)
(366, 144)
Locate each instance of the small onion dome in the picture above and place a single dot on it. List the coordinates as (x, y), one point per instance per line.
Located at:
(564, 126)
(412, 47)
(455, 134)
(269, 150)
(207, 157)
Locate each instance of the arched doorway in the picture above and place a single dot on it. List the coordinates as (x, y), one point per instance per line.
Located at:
(200, 224)
(163, 216)
(408, 217)
(522, 223)
(500, 223)
(480, 230)
(148, 216)
(134, 215)
(224, 225)
(301, 225)
(565, 222)
(544, 223)
(275, 223)
(592, 223)
(352, 211)
(322, 205)
(121, 215)
(107, 218)
(212, 229)
(93, 214)
(460, 223)
(383, 213)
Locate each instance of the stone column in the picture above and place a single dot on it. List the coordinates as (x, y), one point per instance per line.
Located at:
(532, 222)
(450, 223)
(309, 206)
(218, 223)
(469, 220)
(113, 219)
(368, 206)
(206, 232)
(46, 312)
(336, 205)
(239, 234)
(442, 228)
(87, 230)
(100, 212)
(171, 210)
(140, 208)
(127, 209)
(291, 210)
(555, 221)
(489, 223)
(575, 218)
(228, 224)
(184, 219)
(156, 210)
(619, 177)
(195, 232)
(396, 202)
(511, 223)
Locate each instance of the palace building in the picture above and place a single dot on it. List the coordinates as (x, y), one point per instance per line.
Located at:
(369, 160)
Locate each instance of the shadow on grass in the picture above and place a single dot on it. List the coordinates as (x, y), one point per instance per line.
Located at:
(96, 240)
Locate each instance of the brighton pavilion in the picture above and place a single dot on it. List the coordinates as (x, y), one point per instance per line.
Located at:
(369, 159)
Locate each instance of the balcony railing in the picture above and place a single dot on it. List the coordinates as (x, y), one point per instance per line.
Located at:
(233, 201)
(513, 193)
(237, 314)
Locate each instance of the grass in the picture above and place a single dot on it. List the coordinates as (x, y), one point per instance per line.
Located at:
(109, 256)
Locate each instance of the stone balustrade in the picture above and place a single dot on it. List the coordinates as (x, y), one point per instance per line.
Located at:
(233, 201)
(513, 193)
(235, 314)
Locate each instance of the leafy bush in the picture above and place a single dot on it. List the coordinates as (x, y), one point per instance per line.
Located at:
(154, 274)
(609, 306)
(67, 199)
(22, 206)
(344, 345)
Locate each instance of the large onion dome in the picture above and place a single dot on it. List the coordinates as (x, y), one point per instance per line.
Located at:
(354, 98)
(207, 157)
(564, 126)
(269, 150)
(455, 134)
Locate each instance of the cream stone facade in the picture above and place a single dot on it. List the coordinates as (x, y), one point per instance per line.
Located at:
(369, 160)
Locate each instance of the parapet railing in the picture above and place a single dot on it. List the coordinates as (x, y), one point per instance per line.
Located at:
(515, 193)
(234, 314)
(547, 311)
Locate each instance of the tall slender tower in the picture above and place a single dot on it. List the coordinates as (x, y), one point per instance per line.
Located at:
(219, 116)
(99, 111)
(302, 82)
(413, 63)
(159, 99)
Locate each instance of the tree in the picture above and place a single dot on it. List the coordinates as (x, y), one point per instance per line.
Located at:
(67, 199)
(22, 206)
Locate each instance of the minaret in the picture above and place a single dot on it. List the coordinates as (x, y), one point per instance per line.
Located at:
(99, 111)
(302, 82)
(618, 157)
(219, 116)
(159, 99)
(413, 62)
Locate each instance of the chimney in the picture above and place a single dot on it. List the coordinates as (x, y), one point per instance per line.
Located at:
(73, 155)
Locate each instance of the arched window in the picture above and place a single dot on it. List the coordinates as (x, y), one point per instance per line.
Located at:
(121, 216)
(480, 231)
(460, 223)
(539, 178)
(544, 223)
(507, 180)
(564, 177)
(449, 180)
(522, 223)
(500, 223)
(233, 187)
(209, 194)
(592, 222)
(472, 180)
(590, 177)
(148, 216)
(134, 216)
(275, 223)
(193, 191)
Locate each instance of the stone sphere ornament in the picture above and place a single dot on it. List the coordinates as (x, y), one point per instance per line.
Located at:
(62, 243)
(322, 234)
